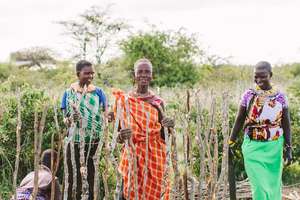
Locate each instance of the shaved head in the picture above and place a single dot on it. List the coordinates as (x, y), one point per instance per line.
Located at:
(263, 65)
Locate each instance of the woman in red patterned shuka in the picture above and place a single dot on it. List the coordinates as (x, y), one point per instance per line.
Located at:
(142, 123)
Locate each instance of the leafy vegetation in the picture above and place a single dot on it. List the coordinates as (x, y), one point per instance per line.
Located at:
(176, 58)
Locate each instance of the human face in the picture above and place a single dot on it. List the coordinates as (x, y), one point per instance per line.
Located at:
(86, 75)
(262, 78)
(143, 75)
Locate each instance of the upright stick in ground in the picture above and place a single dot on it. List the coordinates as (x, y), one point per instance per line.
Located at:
(147, 152)
(113, 160)
(168, 142)
(18, 147)
(52, 168)
(106, 148)
(186, 143)
(202, 148)
(83, 166)
(231, 176)
(61, 136)
(38, 139)
(174, 159)
(96, 160)
(132, 146)
(66, 171)
(225, 132)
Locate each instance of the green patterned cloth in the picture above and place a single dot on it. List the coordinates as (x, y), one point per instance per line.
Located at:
(263, 164)
(90, 112)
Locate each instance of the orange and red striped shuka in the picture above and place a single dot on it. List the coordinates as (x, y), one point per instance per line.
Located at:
(156, 149)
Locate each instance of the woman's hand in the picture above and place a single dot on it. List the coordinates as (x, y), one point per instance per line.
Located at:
(168, 122)
(125, 134)
(110, 117)
(67, 121)
(76, 117)
(288, 155)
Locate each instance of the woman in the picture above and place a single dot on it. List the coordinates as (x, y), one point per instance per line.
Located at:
(150, 160)
(264, 113)
(83, 104)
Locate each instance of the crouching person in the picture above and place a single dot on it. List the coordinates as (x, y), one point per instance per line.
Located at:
(25, 190)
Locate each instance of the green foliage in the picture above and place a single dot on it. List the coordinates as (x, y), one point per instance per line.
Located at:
(294, 69)
(171, 54)
(291, 174)
(4, 71)
(40, 86)
(113, 74)
(32, 99)
(294, 87)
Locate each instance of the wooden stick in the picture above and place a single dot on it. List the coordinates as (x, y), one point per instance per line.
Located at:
(52, 169)
(174, 159)
(186, 147)
(83, 166)
(96, 160)
(113, 160)
(105, 173)
(66, 171)
(60, 144)
(91, 135)
(225, 131)
(18, 147)
(167, 163)
(202, 148)
(215, 163)
(147, 152)
(38, 133)
(127, 107)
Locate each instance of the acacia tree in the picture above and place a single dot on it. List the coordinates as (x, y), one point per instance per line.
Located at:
(93, 32)
(34, 56)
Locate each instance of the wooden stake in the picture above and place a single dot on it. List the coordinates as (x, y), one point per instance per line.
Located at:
(18, 147)
(147, 152)
(38, 137)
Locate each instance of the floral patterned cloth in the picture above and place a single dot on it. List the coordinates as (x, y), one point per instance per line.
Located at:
(264, 113)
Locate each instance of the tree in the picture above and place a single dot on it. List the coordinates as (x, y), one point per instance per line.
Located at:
(172, 54)
(33, 56)
(93, 32)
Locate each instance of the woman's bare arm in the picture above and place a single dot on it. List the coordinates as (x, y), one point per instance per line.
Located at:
(286, 126)
(238, 124)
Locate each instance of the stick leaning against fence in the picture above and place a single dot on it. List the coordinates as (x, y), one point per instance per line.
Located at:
(106, 148)
(83, 167)
(18, 147)
(134, 158)
(147, 151)
(113, 160)
(61, 136)
(38, 138)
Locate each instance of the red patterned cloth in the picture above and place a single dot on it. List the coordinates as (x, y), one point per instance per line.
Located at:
(139, 107)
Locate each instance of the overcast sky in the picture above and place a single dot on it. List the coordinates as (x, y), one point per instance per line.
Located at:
(248, 31)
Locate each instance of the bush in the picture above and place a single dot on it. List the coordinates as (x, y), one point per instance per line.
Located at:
(291, 174)
(171, 54)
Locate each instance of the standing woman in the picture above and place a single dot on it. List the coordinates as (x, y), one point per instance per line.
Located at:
(83, 104)
(264, 113)
(151, 159)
